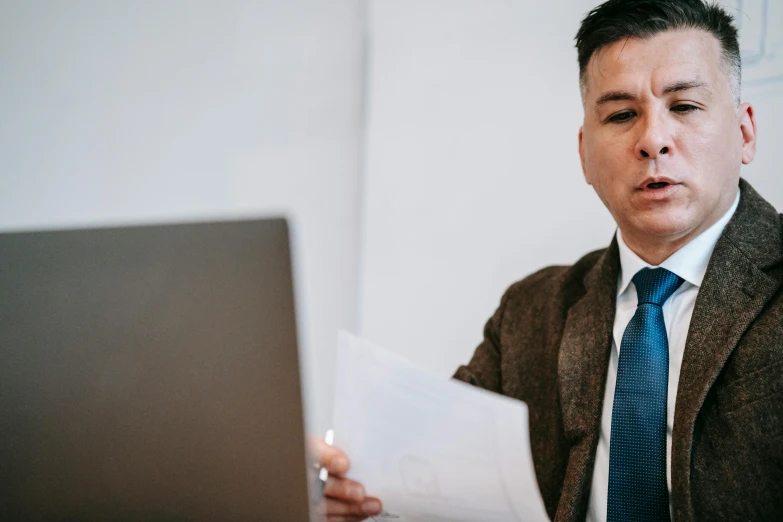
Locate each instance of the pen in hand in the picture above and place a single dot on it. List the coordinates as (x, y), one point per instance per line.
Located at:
(323, 473)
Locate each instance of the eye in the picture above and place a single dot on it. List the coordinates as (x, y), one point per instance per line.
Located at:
(684, 108)
(621, 117)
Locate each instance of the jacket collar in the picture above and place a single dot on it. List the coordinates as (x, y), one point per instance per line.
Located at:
(582, 363)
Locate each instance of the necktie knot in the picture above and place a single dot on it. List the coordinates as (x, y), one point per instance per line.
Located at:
(655, 285)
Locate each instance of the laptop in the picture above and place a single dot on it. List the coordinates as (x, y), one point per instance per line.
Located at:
(150, 373)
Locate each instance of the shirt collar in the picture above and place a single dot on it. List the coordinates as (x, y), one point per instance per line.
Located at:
(689, 262)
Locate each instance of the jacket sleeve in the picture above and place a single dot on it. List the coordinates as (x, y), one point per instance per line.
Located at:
(483, 370)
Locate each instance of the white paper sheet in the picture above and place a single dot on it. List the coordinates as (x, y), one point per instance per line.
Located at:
(432, 449)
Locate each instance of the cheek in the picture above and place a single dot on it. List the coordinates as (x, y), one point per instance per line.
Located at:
(711, 152)
(701, 144)
(604, 167)
(605, 161)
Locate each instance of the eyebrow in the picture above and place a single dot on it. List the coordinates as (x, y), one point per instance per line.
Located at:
(683, 85)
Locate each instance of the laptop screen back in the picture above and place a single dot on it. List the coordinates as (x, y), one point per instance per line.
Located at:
(150, 373)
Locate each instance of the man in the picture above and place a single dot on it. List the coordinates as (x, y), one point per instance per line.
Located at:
(653, 369)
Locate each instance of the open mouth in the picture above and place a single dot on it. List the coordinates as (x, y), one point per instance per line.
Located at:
(658, 189)
(656, 183)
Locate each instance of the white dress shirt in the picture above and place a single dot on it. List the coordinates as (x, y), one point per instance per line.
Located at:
(690, 263)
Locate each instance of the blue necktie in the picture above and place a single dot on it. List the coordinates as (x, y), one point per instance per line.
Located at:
(637, 448)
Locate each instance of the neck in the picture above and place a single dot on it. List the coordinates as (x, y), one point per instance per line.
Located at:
(656, 253)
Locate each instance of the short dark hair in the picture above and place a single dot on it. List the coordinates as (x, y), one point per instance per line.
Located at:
(617, 19)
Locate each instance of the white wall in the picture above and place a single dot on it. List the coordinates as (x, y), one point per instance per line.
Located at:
(472, 172)
(146, 111)
(152, 111)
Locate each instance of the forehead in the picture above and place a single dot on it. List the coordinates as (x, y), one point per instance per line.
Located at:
(669, 56)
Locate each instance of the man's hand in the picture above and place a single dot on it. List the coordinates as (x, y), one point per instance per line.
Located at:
(344, 500)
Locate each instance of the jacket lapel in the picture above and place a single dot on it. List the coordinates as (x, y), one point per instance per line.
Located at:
(582, 365)
(733, 293)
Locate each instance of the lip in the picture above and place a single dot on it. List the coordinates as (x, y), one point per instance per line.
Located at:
(656, 179)
(658, 194)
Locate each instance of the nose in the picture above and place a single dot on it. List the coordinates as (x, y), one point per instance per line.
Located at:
(655, 139)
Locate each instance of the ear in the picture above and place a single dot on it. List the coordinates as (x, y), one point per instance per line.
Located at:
(582, 154)
(748, 129)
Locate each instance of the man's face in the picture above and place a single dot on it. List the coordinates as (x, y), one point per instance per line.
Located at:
(663, 142)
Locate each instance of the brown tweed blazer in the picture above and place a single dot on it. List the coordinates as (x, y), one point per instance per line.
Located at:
(548, 344)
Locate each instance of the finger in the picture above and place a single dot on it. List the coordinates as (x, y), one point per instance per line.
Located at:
(347, 518)
(332, 458)
(344, 489)
(372, 506)
(333, 507)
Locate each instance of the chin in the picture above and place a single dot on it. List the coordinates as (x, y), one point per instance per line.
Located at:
(664, 228)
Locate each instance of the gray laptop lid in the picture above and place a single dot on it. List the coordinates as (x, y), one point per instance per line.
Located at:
(150, 373)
